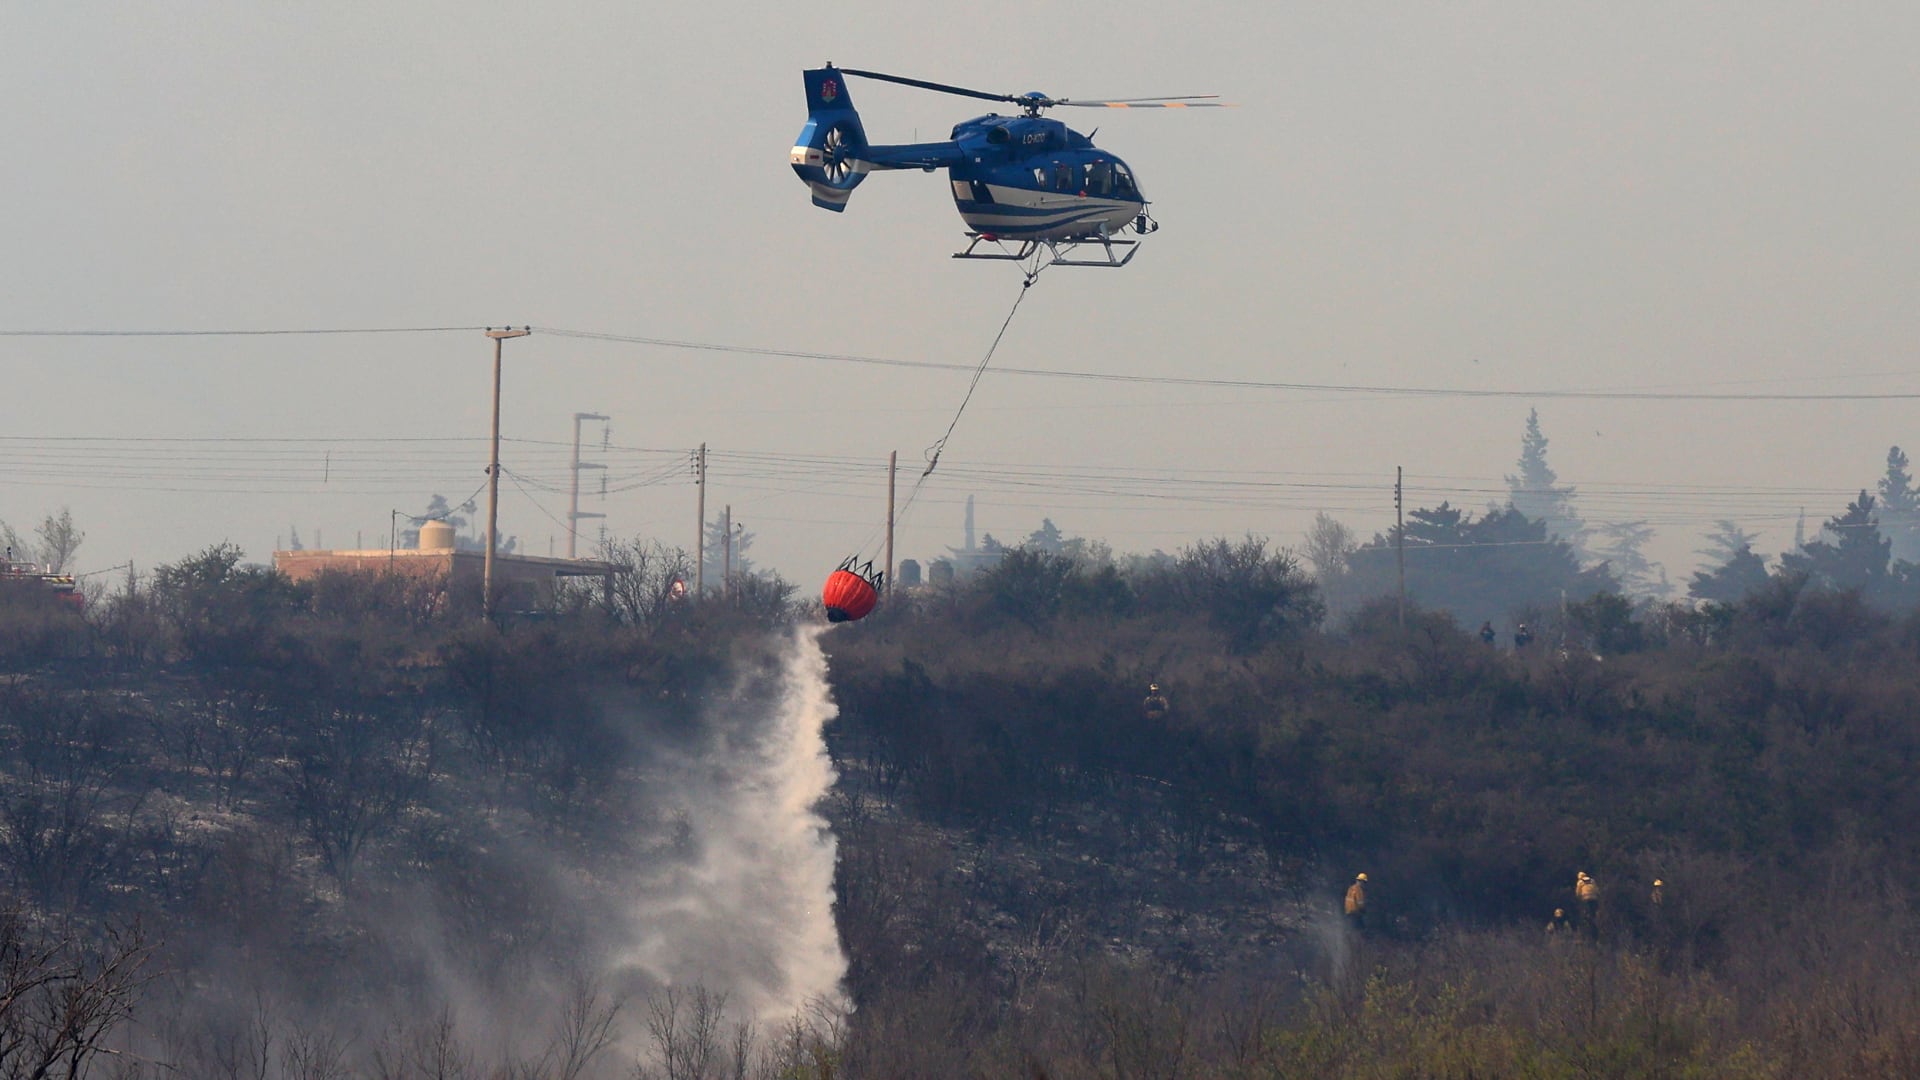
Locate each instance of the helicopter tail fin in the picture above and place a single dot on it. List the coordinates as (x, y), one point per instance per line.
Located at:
(829, 152)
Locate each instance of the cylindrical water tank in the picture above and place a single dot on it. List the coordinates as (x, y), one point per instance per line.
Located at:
(436, 536)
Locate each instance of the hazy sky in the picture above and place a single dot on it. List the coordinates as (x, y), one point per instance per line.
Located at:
(1515, 197)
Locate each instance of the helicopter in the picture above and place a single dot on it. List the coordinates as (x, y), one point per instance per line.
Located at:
(1024, 179)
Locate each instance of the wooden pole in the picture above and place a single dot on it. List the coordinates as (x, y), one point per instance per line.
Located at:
(573, 493)
(1400, 538)
(700, 522)
(893, 464)
(493, 473)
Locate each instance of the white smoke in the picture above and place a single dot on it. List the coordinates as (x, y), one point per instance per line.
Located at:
(745, 906)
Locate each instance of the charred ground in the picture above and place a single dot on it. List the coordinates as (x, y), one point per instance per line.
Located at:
(347, 822)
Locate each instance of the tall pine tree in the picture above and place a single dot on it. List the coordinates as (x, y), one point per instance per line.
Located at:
(1732, 569)
(1621, 547)
(1536, 491)
(1850, 553)
(714, 552)
(1900, 508)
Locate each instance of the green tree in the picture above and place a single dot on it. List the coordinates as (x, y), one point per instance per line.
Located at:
(1485, 569)
(1035, 586)
(1606, 622)
(1536, 492)
(1849, 553)
(1250, 594)
(1621, 546)
(714, 555)
(1741, 573)
(1047, 538)
(224, 612)
(1725, 541)
(1900, 507)
(1029, 585)
(1732, 569)
(1086, 554)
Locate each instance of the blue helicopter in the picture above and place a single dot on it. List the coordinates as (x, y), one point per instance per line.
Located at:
(1026, 179)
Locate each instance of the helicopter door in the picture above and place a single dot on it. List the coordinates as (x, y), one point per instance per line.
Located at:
(1063, 176)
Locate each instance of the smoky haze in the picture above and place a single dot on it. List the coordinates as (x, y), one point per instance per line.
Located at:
(1473, 196)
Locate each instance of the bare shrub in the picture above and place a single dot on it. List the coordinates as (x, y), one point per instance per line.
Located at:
(58, 793)
(62, 998)
(352, 774)
(686, 1029)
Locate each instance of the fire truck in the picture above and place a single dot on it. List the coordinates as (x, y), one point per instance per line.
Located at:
(62, 585)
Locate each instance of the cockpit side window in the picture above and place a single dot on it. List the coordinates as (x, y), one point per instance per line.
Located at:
(1099, 178)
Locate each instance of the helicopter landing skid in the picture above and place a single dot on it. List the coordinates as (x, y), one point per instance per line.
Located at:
(1061, 250)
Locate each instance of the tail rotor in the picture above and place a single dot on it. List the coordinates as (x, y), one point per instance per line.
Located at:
(827, 154)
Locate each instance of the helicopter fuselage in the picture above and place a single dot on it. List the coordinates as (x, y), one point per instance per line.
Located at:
(1034, 178)
(1025, 178)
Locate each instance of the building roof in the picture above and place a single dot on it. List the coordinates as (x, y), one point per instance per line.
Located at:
(558, 567)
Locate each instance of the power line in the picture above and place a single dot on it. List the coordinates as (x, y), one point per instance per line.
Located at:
(529, 495)
(1355, 389)
(385, 466)
(303, 332)
(1235, 384)
(295, 458)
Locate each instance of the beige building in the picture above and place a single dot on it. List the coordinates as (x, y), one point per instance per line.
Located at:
(520, 582)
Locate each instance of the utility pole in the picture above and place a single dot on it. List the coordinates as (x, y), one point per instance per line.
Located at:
(493, 472)
(893, 462)
(700, 522)
(1400, 540)
(726, 553)
(573, 500)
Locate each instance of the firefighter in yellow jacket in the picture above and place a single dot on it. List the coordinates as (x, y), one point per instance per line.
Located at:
(1357, 903)
(1587, 891)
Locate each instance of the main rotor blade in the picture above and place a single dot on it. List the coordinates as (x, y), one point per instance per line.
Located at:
(925, 85)
(1152, 103)
(1141, 100)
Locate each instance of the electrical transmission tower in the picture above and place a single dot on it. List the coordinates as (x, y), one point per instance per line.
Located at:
(574, 513)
